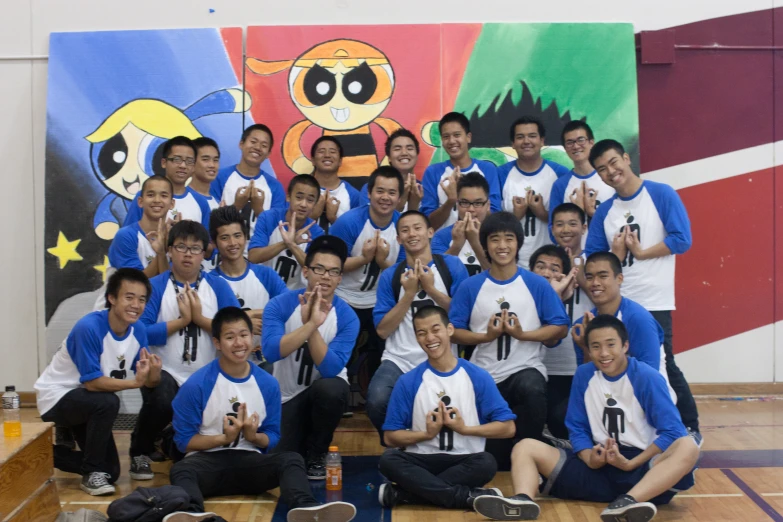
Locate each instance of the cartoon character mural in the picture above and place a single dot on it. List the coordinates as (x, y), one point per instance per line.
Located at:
(342, 87)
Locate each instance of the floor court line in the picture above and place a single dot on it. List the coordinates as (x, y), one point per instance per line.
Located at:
(755, 497)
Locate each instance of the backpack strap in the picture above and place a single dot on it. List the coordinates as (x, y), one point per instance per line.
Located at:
(443, 270)
(395, 282)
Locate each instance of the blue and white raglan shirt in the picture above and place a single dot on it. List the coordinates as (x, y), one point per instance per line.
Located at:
(211, 394)
(656, 213)
(515, 182)
(90, 351)
(214, 294)
(442, 241)
(190, 204)
(284, 264)
(229, 180)
(130, 248)
(364, 196)
(633, 408)
(298, 371)
(434, 196)
(562, 359)
(467, 387)
(402, 348)
(527, 296)
(645, 338)
(349, 199)
(212, 262)
(567, 185)
(355, 227)
(254, 288)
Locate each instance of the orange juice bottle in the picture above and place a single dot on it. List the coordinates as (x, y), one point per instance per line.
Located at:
(12, 421)
(334, 469)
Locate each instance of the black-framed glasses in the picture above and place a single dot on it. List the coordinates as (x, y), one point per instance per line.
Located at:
(464, 203)
(320, 270)
(179, 160)
(581, 140)
(183, 248)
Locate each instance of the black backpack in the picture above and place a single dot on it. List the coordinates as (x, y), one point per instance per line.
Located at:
(148, 504)
(441, 265)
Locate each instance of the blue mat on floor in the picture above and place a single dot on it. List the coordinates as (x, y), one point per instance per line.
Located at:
(361, 480)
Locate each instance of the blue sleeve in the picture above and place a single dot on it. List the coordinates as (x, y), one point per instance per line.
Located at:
(341, 347)
(216, 187)
(385, 298)
(492, 407)
(264, 228)
(458, 273)
(156, 332)
(462, 304)
(225, 296)
(577, 422)
(430, 182)
(653, 395)
(596, 235)
(123, 250)
(399, 412)
(364, 196)
(549, 306)
(276, 313)
(188, 409)
(278, 194)
(643, 338)
(556, 198)
(673, 215)
(355, 199)
(134, 212)
(347, 227)
(270, 390)
(441, 241)
(580, 356)
(85, 346)
(491, 173)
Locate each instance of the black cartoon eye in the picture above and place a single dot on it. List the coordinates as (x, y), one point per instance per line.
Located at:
(112, 156)
(319, 85)
(359, 85)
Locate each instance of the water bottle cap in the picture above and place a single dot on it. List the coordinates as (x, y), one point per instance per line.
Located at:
(333, 449)
(10, 388)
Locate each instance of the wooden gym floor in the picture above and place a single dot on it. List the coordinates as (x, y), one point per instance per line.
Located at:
(740, 478)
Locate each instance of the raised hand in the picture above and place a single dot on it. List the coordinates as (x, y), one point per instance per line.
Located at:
(633, 244)
(536, 203)
(512, 326)
(597, 457)
(369, 247)
(305, 302)
(382, 249)
(159, 239)
(591, 201)
(232, 426)
(142, 367)
(564, 284)
(615, 458)
(434, 423)
(459, 232)
(332, 206)
(449, 185)
(250, 427)
(257, 198)
(495, 326)
(184, 306)
(452, 419)
(303, 234)
(242, 196)
(618, 243)
(520, 206)
(577, 197)
(406, 191)
(416, 194)
(318, 208)
(409, 281)
(472, 229)
(319, 309)
(426, 276)
(195, 301)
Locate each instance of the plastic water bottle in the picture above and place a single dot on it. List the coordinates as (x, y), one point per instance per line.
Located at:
(334, 469)
(12, 419)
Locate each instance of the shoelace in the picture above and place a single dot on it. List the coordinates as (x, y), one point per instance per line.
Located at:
(141, 461)
(99, 479)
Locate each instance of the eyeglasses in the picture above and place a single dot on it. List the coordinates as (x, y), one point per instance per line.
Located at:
(179, 160)
(183, 248)
(464, 203)
(320, 270)
(581, 140)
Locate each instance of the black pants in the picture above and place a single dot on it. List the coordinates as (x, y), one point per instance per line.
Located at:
(525, 393)
(373, 349)
(309, 419)
(686, 404)
(242, 472)
(155, 414)
(558, 392)
(440, 479)
(90, 416)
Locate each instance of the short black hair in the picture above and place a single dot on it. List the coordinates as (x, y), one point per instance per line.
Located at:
(385, 171)
(401, 133)
(501, 222)
(573, 125)
(200, 143)
(553, 251)
(228, 215)
(258, 127)
(305, 179)
(158, 177)
(526, 120)
(409, 213)
(602, 147)
(454, 117)
(125, 274)
(606, 321)
(562, 208)
(323, 139)
(187, 228)
(430, 310)
(229, 314)
(177, 141)
(611, 258)
(473, 180)
(327, 245)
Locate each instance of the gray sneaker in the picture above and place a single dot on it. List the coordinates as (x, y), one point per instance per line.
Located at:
(331, 512)
(140, 468)
(97, 483)
(626, 509)
(518, 507)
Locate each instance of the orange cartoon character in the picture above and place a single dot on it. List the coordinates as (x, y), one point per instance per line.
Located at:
(340, 86)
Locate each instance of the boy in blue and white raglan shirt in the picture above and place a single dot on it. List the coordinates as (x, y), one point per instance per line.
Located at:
(630, 447)
(421, 279)
(440, 180)
(282, 234)
(510, 314)
(106, 352)
(440, 415)
(525, 184)
(178, 317)
(204, 173)
(179, 158)
(308, 336)
(645, 225)
(227, 419)
(337, 196)
(247, 185)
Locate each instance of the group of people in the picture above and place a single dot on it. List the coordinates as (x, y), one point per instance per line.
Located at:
(514, 317)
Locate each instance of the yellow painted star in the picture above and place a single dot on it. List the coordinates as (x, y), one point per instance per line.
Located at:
(102, 268)
(65, 250)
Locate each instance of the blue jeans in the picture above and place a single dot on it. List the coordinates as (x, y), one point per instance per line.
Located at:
(379, 392)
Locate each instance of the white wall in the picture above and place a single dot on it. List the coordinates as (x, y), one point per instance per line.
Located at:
(24, 31)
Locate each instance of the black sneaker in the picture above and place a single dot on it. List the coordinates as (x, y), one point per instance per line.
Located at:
(140, 468)
(556, 442)
(625, 508)
(97, 483)
(518, 507)
(316, 467)
(63, 436)
(331, 512)
(387, 495)
(696, 436)
(482, 492)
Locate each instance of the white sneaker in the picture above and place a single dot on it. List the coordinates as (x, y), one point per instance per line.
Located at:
(331, 512)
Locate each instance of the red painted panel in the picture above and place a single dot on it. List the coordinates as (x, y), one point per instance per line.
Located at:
(232, 39)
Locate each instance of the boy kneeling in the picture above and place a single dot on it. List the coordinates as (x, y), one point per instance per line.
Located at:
(630, 446)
